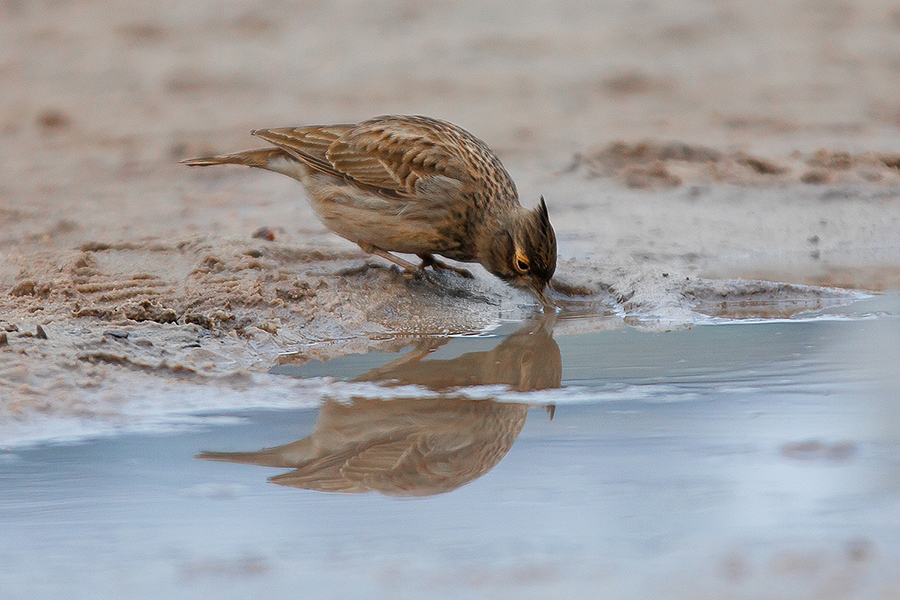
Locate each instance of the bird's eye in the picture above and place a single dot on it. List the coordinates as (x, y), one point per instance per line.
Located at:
(521, 262)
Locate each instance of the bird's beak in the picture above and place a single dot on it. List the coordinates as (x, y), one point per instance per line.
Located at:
(540, 291)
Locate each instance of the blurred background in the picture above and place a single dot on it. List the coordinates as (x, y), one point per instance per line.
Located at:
(139, 82)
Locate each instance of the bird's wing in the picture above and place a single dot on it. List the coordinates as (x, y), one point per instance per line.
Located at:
(307, 144)
(392, 156)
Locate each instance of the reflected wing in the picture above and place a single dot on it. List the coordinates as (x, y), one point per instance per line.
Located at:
(399, 467)
(354, 471)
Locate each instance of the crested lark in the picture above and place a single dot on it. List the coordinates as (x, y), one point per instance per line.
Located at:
(413, 185)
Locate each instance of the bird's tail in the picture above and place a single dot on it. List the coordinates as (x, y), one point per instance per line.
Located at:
(270, 159)
(289, 455)
(266, 458)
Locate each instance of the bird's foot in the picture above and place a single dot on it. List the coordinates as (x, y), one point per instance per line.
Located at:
(409, 270)
(430, 261)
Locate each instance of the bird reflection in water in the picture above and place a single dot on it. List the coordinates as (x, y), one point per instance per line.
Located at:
(418, 446)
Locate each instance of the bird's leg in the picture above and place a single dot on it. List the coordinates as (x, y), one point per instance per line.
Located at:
(430, 261)
(409, 270)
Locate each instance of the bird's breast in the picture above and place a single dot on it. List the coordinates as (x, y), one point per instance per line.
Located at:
(421, 225)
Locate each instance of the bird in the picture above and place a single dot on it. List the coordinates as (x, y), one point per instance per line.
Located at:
(412, 184)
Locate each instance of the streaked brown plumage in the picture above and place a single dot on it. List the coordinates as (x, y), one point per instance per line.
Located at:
(413, 185)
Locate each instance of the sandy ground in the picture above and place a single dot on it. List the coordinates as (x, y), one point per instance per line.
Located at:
(685, 150)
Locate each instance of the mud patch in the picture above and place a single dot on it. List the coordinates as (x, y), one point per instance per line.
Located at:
(218, 319)
(206, 309)
(652, 300)
(654, 164)
(746, 299)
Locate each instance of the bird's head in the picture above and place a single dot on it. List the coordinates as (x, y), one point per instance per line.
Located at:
(526, 255)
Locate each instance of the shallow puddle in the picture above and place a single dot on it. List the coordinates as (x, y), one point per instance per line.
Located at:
(740, 458)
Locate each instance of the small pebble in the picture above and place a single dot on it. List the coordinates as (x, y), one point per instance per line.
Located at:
(116, 333)
(3, 339)
(40, 333)
(264, 233)
(814, 177)
(52, 118)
